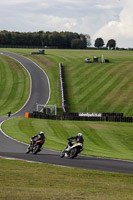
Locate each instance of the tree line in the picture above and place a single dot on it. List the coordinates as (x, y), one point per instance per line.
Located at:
(45, 39)
(65, 40)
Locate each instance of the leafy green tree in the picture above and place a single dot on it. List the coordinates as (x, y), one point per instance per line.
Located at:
(99, 43)
(111, 44)
(78, 44)
(88, 40)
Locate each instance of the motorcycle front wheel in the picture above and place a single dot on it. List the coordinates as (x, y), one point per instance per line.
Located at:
(62, 154)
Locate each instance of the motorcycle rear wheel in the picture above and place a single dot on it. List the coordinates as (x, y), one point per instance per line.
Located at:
(36, 149)
(73, 153)
(28, 150)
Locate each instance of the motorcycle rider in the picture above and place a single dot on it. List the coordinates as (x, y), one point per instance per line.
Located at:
(37, 137)
(79, 138)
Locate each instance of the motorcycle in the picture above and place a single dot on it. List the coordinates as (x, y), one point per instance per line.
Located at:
(35, 146)
(73, 150)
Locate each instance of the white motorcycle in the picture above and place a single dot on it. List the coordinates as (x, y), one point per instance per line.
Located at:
(72, 151)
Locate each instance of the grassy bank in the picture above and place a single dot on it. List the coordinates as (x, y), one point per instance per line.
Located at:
(30, 181)
(101, 138)
(14, 85)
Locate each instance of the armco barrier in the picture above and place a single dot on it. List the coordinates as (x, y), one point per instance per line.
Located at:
(62, 88)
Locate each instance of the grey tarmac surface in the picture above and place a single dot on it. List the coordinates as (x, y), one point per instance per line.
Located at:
(40, 94)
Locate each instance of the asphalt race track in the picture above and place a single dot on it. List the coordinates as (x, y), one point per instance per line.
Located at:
(40, 92)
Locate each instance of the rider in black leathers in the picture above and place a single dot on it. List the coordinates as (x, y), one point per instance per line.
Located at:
(79, 138)
(37, 137)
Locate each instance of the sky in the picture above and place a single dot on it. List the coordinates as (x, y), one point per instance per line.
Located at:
(108, 19)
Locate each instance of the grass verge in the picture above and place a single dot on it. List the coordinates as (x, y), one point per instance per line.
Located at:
(30, 181)
(14, 85)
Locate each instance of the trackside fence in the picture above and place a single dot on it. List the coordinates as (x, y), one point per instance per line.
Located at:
(62, 88)
(108, 117)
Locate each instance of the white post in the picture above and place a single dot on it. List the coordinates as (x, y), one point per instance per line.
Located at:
(102, 59)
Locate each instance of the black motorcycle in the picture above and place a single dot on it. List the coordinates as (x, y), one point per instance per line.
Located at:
(35, 146)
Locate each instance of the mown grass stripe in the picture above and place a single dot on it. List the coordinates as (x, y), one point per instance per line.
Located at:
(2, 78)
(7, 87)
(15, 88)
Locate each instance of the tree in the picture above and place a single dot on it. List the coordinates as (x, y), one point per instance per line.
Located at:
(78, 44)
(111, 44)
(99, 43)
(88, 40)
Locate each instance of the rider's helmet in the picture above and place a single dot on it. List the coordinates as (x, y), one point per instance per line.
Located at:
(41, 132)
(79, 134)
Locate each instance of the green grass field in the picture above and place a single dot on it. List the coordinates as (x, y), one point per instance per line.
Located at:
(30, 181)
(14, 85)
(95, 87)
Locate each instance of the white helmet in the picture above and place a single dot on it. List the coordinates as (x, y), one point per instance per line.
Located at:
(79, 134)
(42, 132)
